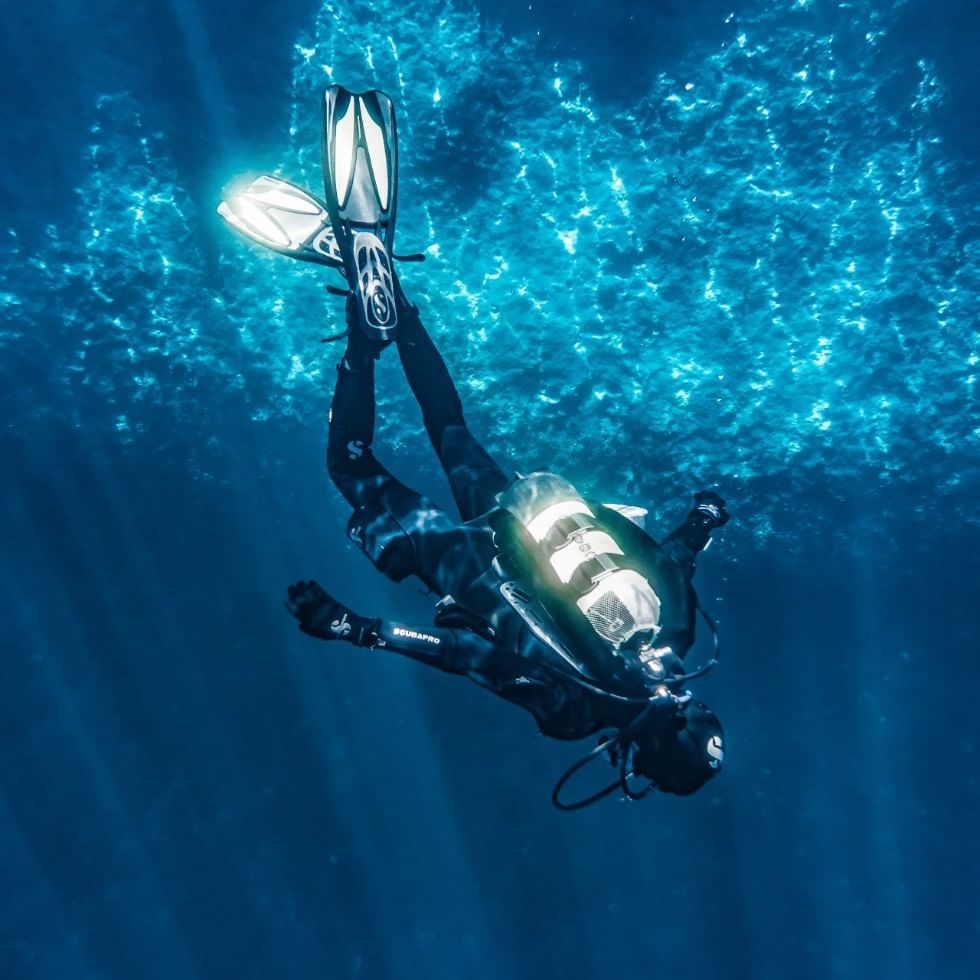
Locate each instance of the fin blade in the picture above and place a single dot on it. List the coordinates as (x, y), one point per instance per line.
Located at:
(377, 156)
(265, 230)
(344, 153)
(284, 218)
(360, 161)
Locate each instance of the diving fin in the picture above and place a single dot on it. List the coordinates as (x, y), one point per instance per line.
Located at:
(360, 172)
(284, 218)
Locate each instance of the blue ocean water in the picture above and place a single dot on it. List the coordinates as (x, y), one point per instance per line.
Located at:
(668, 246)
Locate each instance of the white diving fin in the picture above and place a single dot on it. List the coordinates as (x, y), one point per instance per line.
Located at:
(360, 171)
(284, 218)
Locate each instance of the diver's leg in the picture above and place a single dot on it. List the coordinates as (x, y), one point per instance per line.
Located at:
(474, 477)
(401, 532)
(350, 462)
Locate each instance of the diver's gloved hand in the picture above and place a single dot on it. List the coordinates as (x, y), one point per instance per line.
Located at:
(322, 616)
(710, 508)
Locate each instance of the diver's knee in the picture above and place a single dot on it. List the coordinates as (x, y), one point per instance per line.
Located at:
(379, 534)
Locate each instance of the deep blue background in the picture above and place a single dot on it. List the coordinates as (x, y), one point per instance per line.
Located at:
(190, 789)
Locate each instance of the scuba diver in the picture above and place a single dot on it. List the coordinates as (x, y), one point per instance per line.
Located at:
(556, 602)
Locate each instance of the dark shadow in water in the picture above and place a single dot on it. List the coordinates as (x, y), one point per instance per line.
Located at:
(939, 34)
(210, 77)
(621, 45)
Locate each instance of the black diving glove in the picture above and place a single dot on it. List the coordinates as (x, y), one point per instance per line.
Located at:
(710, 509)
(322, 616)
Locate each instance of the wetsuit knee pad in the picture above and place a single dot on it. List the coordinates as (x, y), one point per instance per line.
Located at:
(383, 539)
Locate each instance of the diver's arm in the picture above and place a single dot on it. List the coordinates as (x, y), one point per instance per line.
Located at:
(320, 615)
(562, 710)
(692, 537)
(455, 651)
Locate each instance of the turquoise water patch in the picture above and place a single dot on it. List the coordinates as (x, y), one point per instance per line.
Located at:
(766, 266)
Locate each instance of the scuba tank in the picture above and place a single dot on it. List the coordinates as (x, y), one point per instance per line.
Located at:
(552, 543)
(579, 577)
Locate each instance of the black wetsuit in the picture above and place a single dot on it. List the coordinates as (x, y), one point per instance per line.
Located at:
(405, 534)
